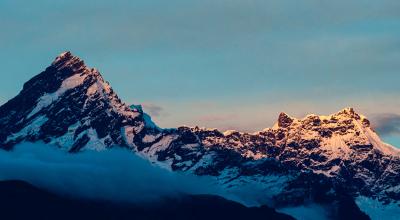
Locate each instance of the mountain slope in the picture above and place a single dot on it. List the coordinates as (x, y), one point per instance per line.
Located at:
(314, 159)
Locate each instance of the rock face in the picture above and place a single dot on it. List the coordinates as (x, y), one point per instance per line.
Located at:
(317, 158)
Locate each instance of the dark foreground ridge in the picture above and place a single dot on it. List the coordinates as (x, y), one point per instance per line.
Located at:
(20, 200)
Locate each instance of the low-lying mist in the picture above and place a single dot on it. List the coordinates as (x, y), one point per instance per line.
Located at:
(115, 174)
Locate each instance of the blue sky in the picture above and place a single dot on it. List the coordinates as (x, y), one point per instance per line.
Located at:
(228, 64)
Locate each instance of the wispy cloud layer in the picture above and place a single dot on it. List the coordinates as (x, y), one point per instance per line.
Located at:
(387, 124)
(153, 109)
(115, 174)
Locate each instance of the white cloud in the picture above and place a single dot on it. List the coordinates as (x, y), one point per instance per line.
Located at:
(115, 174)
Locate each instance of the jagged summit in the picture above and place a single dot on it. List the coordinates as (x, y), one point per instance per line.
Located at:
(349, 113)
(346, 114)
(284, 120)
(72, 64)
(67, 60)
(67, 55)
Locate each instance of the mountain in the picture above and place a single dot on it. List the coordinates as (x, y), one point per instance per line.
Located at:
(69, 105)
(320, 159)
(37, 203)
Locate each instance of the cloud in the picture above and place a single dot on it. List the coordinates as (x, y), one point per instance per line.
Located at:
(153, 109)
(386, 124)
(115, 174)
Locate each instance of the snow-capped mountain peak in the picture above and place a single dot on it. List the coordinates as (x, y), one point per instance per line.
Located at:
(344, 128)
(69, 105)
